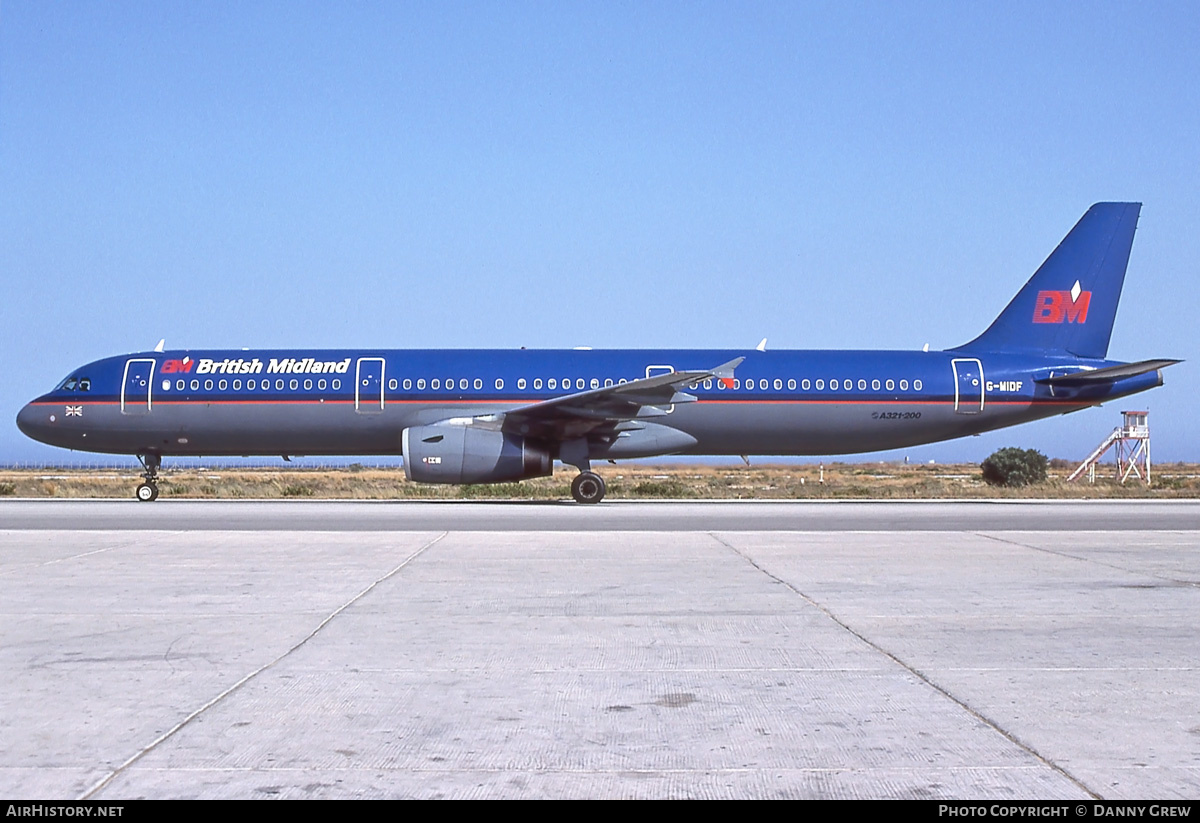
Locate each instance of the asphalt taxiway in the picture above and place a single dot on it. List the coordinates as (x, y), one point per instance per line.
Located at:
(520, 650)
(646, 515)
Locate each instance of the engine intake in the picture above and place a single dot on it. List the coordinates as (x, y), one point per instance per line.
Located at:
(444, 453)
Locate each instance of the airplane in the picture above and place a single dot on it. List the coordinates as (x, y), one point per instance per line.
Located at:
(489, 416)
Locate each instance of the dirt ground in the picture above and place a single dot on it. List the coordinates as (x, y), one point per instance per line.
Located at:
(625, 481)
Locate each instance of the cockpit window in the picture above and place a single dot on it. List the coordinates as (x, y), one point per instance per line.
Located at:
(76, 383)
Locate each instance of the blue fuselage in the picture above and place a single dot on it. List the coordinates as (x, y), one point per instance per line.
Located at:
(359, 402)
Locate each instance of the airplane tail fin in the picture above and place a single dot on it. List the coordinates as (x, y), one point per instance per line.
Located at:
(1070, 303)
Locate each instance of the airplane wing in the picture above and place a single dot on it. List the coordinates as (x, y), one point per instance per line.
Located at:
(574, 415)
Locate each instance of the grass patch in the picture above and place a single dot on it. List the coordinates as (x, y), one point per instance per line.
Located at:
(663, 488)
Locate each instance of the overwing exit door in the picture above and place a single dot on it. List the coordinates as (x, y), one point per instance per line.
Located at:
(368, 385)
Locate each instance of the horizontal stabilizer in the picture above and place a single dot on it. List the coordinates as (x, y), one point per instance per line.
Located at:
(1106, 374)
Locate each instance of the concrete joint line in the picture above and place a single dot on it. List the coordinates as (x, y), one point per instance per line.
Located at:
(917, 673)
(167, 735)
(69, 558)
(1070, 556)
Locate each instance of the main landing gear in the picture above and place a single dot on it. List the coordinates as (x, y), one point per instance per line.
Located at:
(587, 487)
(148, 491)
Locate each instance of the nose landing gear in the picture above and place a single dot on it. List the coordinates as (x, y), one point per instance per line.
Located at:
(148, 491)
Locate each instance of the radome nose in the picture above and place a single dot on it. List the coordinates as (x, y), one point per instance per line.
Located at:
(33, 421)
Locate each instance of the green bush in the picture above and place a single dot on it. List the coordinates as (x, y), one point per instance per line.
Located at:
(1015, 467)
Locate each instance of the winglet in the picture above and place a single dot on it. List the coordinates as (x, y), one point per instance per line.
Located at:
(161, 344)
(762, 345)
(724, 372)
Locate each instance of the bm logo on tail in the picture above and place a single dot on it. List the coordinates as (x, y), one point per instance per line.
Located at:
(1056, 306)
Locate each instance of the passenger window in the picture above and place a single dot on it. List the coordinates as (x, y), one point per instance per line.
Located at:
(321, 384)
(595, 383)
(180, 384)
(862, 384)
(499, 383)
(279, 384)
(607, 382)
(393, 384)
(916, 385)
(833, 384)
(435, 384)
(407, 383)
(337, 384)
(166, 384)
(462, 383)
(479, 384)
(551, 384)
(778, 384)
(537, 382)
(195, 385)
(520, 383)
(903, 385)
(622, 382)
(708, 384)
(237, 385)
(420, 382)
(874, 385)
(223, 385)
(891, 384)
(249, 385)
(804, 384)
(308, 384)
(293, 384)
(792, 384)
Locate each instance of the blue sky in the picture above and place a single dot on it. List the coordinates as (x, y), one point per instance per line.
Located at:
(429, 175)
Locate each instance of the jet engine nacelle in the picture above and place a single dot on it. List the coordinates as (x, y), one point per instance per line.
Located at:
(446, 453)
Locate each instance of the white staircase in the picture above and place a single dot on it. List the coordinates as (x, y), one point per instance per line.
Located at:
(1132, 442)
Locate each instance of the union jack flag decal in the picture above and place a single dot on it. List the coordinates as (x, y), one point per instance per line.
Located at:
(74, 411)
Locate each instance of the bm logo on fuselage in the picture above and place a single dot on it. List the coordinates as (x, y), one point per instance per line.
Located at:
(177, 366)
(1056, 306)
